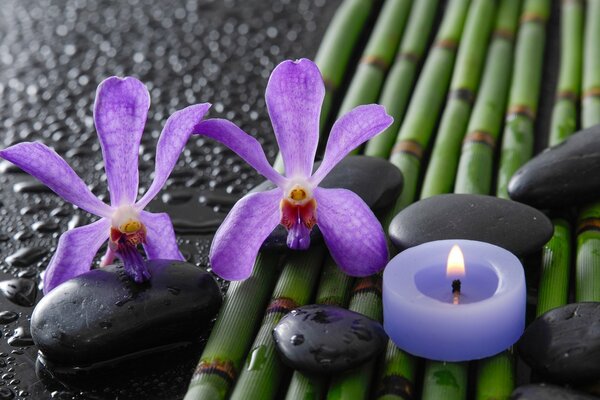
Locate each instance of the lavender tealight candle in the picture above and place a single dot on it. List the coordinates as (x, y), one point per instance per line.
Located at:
(454, 300)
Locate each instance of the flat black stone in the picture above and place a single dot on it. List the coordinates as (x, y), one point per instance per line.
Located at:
(548, 392)
(564, 175)
(516, 227)
(374, 180)
(563, 344)
(327, 339)
(103, 315)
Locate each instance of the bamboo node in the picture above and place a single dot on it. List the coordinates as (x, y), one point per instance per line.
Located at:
(223, 368)
(588, 224)
(592, 92)
(396, 385)
(369, 284)
(504, 34)
(448, 44)
(519, 109)
(376, 61)
(409, 56)
(533, 17)
(463, 94)
(567, 95)
(482, 137)
(281, 305)
(411, 147)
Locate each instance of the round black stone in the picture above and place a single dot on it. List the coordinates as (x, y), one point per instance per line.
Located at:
(563, 344)
(102, 314)
(327, 339)
(518, 228)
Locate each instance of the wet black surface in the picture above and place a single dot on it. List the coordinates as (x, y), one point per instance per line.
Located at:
(53, 54)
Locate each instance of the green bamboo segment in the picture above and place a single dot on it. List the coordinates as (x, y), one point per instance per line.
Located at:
(590, 107)
(553, 289)
(263, 369)
(400, 80)
(378, 55)
(336, 49)
(355, 384)
(427, 100)
(334, 289)
(475, 168)
(398, 376)
(446, 381)
(489, 387)
(223, 355)
(517, 141)
(441, 170)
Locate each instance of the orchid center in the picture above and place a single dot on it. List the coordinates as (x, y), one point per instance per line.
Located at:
(298, 215)
(126, 220)
(299, 194)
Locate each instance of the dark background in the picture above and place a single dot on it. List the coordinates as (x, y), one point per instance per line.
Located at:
(53, 54)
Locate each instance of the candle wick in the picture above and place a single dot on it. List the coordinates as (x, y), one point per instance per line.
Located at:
(455, 291)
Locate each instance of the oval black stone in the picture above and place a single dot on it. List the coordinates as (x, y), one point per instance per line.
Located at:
(548, 392)
(327, 339)
(516, 227)
(376, 181)
(564, 344)
(102, 314)
(564, 175)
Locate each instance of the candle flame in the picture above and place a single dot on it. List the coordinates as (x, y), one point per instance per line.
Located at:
(456, 262)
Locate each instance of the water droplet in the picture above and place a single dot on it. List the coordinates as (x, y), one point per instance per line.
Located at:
(20, 291)
(297, 340)
(25, 256)
(7, 317)
(21, 338)
(258, 356)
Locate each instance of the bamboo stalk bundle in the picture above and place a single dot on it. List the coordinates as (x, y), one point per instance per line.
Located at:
(403, 73)
(439, 177)
(378, 55)
(553, 289)
(587, 269)
(264, 370)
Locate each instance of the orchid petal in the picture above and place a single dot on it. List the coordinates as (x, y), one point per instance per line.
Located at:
(294, 97)
(120, 115)
(53, 171)
(173, 138)
(349, 132)
(161, 242)
(246, 146)
(75, 252)
(238, 239)
(352, 233)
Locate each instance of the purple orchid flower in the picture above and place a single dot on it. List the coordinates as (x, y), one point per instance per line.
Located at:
(353, 235)
(120, 113)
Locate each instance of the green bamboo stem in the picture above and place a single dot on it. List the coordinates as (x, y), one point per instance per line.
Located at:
(397, 379)
(336, 49)
(427, 100)
(445, 381)
(263, 369)
(441, 170)
(475, 168)
(378, 55)
(355, 384)
(496, 377)
(400, 80)
(333, 289)
(517, 141)
(553, 289)
(223, 355)
(587, 268)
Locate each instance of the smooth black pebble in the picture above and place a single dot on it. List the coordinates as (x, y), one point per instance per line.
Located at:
(548, 392)
(563, 175)
(103, 315)
(563, 344)
(327, 339)
(20, 291)
(374, 180)
(518, 228)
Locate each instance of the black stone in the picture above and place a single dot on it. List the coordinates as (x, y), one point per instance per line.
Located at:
(564, 175)
(514, 226)
(102, 314)
(20, 291)
(375, 180)
(327, 339)
(563, 344)
(548, 392)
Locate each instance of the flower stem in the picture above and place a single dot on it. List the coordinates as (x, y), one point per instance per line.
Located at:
(263, 370)
(230, 338)
(401, 78)
(587, 269)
